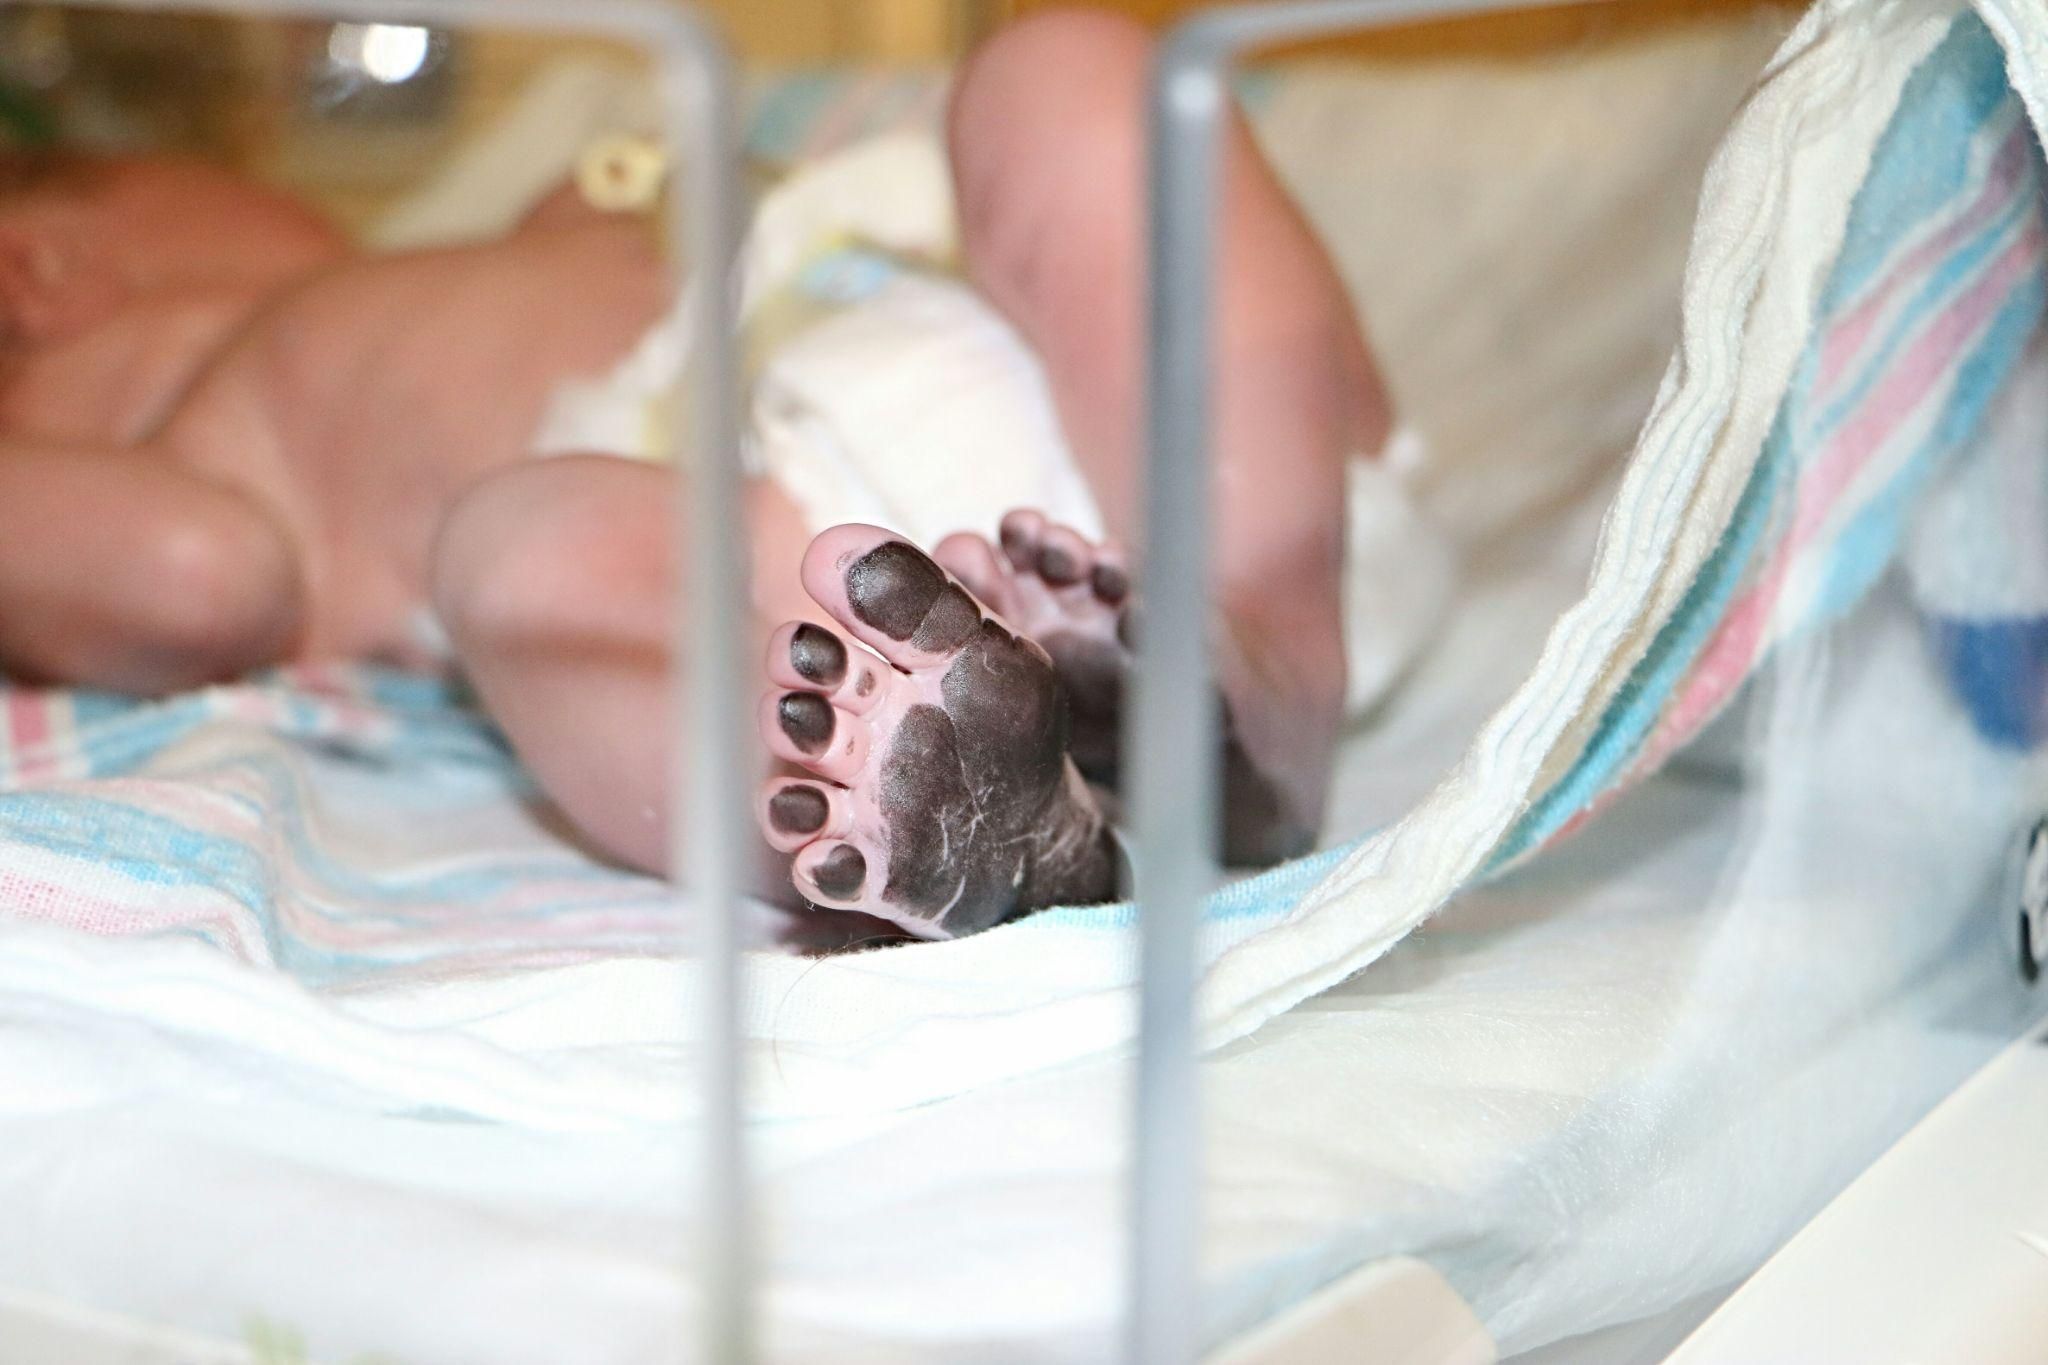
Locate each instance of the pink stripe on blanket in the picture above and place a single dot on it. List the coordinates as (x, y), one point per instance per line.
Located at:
(28, 727)
(74, 908)
(405, 932)
(2009, 165)
(306, 699)
(1930, 359)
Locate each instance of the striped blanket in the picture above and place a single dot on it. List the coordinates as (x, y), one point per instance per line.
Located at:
(1868, 270)
(347, 826)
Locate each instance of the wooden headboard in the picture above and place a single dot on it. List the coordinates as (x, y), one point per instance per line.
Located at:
(934, 30)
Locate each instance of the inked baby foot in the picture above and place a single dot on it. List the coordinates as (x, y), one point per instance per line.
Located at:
(944, 799)
(1073, 596)
(1069, 594)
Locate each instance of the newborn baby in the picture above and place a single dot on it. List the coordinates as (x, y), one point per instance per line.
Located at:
(225, 441)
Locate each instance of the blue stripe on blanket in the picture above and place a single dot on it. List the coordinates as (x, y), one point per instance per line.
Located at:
(1268, 896)
(1954, 272)
(1916, 174)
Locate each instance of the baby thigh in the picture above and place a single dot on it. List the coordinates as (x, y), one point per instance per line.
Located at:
(554, 579)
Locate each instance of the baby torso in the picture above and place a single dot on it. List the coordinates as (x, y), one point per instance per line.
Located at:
(360, 400)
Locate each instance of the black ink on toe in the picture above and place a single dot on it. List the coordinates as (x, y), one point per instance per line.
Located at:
(817, 656)
(798, 810)
(951, 622)
(892, 587)
(842, 874)
(1057, 567)
(984, 818)
(1111, 584)
(1017, 546)
(807, 719)
(903, 594)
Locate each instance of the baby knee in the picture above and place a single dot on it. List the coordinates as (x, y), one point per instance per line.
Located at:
(221, 594)
(1052, 60)
(483, 552)
(534, 546)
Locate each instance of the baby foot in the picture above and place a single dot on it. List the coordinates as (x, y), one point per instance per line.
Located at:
(945, 800)
(1073, 596)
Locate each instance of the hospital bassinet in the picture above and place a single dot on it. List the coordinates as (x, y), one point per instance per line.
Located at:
(1671, 880)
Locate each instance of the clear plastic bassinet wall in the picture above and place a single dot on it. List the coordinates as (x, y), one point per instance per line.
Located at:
(1819, 889)
(1689, 843)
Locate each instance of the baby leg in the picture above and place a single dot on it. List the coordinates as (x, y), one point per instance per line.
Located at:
(1050, 177)
(554, 579)
(122, 571)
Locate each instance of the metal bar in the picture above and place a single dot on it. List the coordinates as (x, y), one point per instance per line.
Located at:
(1173, 757)
(708, 835)
(1171, 728)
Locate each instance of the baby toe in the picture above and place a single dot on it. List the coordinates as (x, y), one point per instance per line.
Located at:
(832, 872)
(794, 812)
(806, 729)
(1110, 579)
(805, 657)
(1065, 558)
(890, 595)
(1020, 534)
(971, 559)
(816, 657)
